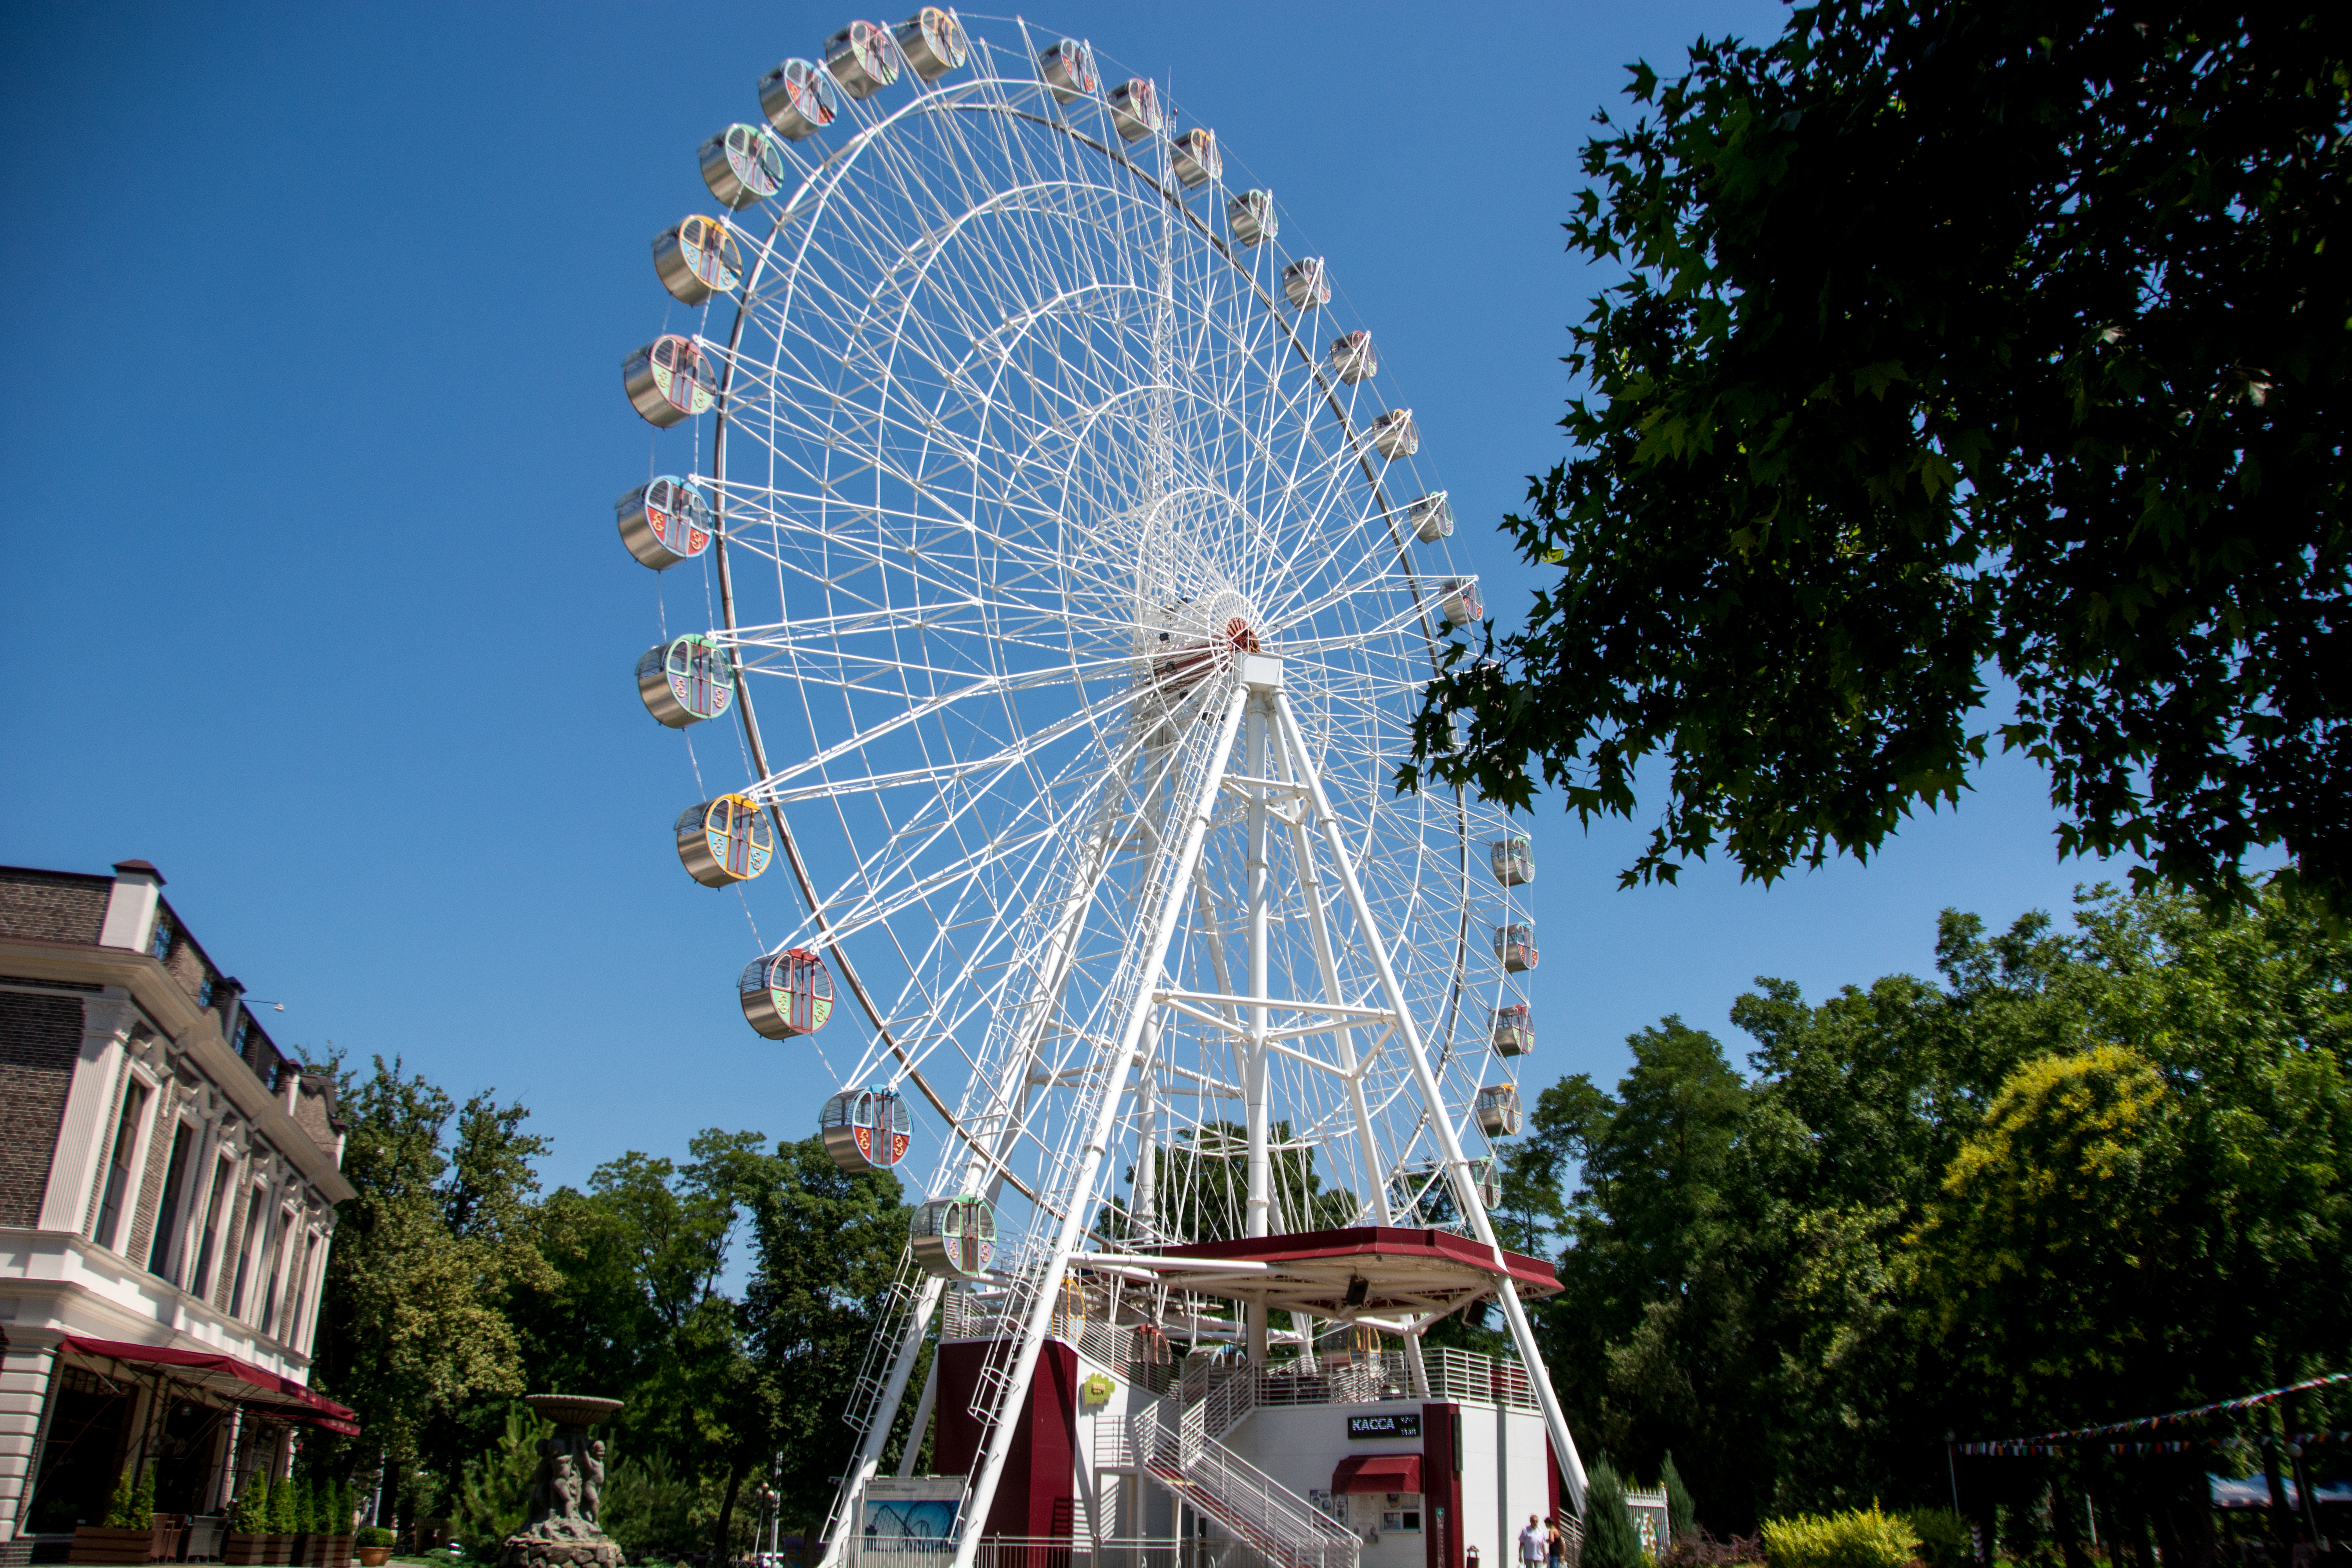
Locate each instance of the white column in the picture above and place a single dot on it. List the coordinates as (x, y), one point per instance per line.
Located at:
(83, 1130)
(24, 1395)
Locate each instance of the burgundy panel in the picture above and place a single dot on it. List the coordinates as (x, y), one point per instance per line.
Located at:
(1440, 1486)
(1036, 1495)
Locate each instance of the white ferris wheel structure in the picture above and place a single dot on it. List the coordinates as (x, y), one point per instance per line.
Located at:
(1071, 580)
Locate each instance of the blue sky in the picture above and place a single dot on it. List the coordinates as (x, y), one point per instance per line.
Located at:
(315, 599)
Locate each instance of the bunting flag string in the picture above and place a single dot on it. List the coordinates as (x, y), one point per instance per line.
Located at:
(2048, 1442)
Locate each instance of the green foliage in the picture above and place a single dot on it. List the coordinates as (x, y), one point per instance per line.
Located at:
(373, 1535)
(252, 1508)
(494, 1496)
(132, 1507)
(1682, 1513)
(1943, 1538)
(1610, 1540)
(284, 1516)
(415, 1331)
(1857, 1538)
(1951, 339)
(648, 1509)
(2078, 1178)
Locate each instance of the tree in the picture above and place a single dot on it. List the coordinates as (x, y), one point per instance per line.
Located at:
(1610, 1538)
(1955, 340)
(414, 1333)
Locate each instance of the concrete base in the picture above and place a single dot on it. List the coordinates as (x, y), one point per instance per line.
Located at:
(532, 1551)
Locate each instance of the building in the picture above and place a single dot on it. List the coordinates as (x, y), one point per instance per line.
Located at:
(168, 1184)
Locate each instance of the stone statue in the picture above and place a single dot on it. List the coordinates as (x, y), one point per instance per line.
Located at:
(562, 1531)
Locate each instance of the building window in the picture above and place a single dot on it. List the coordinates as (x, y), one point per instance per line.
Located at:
(201, 1281)
(245, 1253)
(118, 1169)
(159, 946)
(277, 1258)
(1401, 1513)
(167, 1212)
(204, 990)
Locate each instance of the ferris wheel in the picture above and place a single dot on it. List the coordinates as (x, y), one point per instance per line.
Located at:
(1071, 575)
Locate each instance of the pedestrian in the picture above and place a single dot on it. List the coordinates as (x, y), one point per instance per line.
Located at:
(1531, 1544)
(1555, 1543)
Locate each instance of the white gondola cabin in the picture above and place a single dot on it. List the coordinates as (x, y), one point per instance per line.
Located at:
(1515, 946)
(933, 42)
(697, 257)
(1305, 284)
(670, 379)
(800, 98)
(785, 995)
(1458, 603)
(1513, 859)
(1515, 1034)
(686, 680)
(1497, 1109)
(1394, 434)
(1135, 108)
(743, 165)
(953, 1239)
(866, 1130)
(724, 841)
(862, 59)
(1067, 69)
(1196, 157)
(1488, 1180)
(1432, 517)
(1251, 217)
(1352, 359)
(664, 521)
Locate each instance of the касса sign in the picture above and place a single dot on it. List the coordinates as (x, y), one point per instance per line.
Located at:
(1402, 1423)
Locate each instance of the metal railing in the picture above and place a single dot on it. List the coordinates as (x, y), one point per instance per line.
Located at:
(1463, 1377)
(1175, 1445)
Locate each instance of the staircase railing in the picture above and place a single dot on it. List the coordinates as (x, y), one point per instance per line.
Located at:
(1175, 1445)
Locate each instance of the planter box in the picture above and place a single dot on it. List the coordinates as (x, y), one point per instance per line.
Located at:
(103, 1544)
(339, 1550)
(305, 1550)
(243, 1551)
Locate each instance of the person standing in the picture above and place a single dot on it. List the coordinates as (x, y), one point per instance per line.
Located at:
(1555, 1543)
(1531, 1544)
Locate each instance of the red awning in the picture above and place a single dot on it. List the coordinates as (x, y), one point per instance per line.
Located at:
(231, 1379)
(1378, 1473)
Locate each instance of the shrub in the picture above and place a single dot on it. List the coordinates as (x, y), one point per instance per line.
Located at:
(1858, 1538)
(1700, 1549)
(373, 1535)
(648, 1511)
(494, 1496)
(1610, 1538)
(251, 1515)
(1682, 1513)
(282, 1519)
(132, 1507)
(1943, 1538)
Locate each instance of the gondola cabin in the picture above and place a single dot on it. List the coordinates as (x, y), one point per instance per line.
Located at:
(786, 994)
(664, 521)
(800, 98)
(1251, 217)
(1135, 108)
(953, 1239)
(1067, 69)
(1196, 157)
(1513, 859)
(1515, 946)
(866, 1130)
(862, 59)
(1515, 1033)
(1352, 359)
(743, 165)
(725, 840)
(1305, 285)
(686, 680)
(933, 42)
(1497, 1109)
(1459, 604)
(1394, 434)
(1432, 517)
(670, 379)
(697, 257)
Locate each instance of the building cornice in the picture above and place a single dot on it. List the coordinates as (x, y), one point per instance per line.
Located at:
(73, 1306)
(191, 1030)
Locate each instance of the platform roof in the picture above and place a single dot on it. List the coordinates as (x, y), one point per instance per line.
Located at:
(1365, 1271)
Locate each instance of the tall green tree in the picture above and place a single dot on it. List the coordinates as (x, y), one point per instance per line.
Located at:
(428, 1258)
(1953, 339)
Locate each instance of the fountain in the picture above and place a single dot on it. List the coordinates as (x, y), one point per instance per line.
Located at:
(562, 1531)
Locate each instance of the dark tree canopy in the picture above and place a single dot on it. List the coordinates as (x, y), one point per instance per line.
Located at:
(1956, 339)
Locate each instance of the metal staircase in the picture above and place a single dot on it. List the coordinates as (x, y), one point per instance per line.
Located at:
(1175, 1443)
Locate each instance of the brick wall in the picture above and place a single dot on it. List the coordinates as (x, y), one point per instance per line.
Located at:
(53, 906)
(39, 1038)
